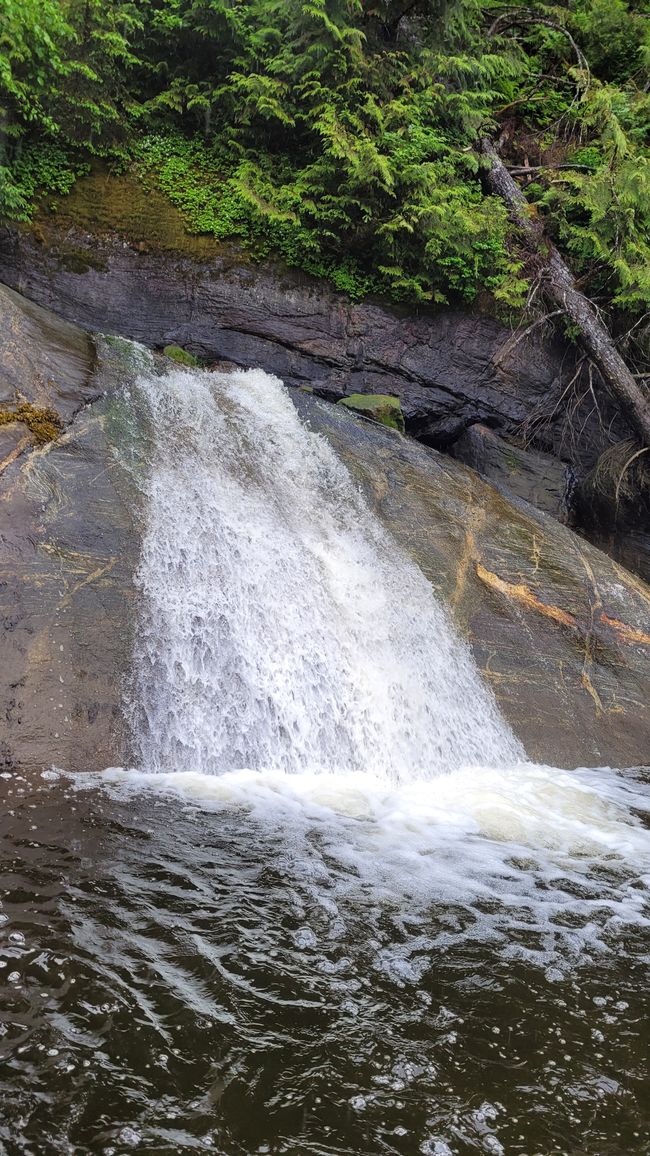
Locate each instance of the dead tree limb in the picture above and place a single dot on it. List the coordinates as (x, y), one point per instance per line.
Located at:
(519, 16)
(560, 290)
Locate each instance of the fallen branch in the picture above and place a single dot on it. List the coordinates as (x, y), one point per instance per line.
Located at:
(521, 170)
(558, 285)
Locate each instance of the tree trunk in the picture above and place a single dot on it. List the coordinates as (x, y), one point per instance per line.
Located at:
(559, 287)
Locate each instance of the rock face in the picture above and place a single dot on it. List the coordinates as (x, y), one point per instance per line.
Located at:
(449, 369)
(68, 545)
(537, 478)
(560, 631)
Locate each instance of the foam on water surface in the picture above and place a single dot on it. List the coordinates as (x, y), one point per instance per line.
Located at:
(564, 856)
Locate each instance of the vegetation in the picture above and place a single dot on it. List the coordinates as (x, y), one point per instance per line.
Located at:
(381, 407)
(344, 135)
(43, 422)
(181, 356)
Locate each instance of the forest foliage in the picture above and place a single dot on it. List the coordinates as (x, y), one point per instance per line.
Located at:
(343, 135)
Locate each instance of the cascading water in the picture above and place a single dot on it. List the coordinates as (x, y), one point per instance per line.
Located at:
(281, 628)
(240, 953)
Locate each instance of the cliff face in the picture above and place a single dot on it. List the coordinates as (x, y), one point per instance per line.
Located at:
(456, 374)
(559, 630)
(449, 369)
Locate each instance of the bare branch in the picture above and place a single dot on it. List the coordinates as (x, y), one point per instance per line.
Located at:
(517, 337)
(521, 170)
(520, 17)
(628, 463)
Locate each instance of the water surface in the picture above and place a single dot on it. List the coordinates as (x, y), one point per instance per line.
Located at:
(244, 966)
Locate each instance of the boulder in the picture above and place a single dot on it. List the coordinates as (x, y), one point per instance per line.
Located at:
(540, 479)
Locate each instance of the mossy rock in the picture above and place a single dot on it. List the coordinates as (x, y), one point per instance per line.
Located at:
(77, 260)
(381, 407)
(181, 356)
(43, 422)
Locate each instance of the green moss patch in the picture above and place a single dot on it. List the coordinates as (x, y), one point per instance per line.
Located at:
(180, 356)
(379, 407)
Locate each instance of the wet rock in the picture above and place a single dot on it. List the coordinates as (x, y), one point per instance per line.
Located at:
(378, 407)
(449, 369)
(45, 361)
(538, 478)
(68, 546)
(560, 631)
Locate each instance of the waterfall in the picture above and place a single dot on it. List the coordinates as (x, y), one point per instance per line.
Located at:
(281, 628)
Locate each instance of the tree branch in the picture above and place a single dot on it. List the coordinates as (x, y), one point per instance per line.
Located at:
(520, 17)
(560, 289)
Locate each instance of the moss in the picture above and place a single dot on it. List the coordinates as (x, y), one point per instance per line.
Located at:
(77, 260)
(180, 356)
(43, 422)
(105, 204)
(381, 407)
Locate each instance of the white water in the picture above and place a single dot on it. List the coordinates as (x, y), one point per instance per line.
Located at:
(293, 665)
(282, 629)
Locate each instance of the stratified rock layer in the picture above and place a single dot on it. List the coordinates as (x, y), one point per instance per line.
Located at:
(449, 369)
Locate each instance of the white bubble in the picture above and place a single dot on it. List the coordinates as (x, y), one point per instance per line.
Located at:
(130, 1136)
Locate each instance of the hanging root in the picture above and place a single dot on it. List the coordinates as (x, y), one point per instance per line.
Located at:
(620, 479)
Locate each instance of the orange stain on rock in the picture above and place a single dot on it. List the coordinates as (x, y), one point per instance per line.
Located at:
(524, 595)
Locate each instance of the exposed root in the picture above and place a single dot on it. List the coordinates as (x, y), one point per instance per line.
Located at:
(613, 477)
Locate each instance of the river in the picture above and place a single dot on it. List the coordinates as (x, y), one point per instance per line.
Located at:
(331, 908)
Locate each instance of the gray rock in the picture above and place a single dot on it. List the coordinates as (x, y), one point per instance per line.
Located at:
(449, 369)
(540, 479)
(68, 546)
(560, 631)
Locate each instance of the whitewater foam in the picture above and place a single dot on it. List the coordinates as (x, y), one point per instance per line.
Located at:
(557, 861)
(280, 627)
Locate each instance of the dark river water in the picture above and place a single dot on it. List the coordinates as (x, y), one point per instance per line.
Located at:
(272, 968)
